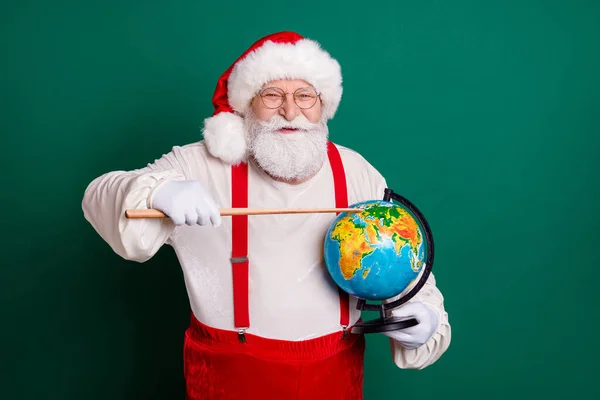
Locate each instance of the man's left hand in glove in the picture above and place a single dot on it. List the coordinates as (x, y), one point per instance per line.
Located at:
(415, 336)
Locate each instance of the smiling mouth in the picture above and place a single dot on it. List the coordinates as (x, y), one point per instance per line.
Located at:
(287, 129)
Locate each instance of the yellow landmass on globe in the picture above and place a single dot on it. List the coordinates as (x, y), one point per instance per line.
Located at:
(355, 242)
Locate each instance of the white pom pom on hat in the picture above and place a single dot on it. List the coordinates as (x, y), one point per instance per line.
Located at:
(283, 55)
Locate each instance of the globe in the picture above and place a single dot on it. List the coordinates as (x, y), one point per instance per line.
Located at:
(375, 254)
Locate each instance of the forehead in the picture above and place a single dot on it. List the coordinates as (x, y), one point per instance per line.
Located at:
(287, 84)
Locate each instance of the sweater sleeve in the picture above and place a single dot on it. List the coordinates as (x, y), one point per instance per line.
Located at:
(437, 345)
(108, 196)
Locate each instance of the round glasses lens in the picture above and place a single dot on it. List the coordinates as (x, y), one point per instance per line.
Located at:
(272, 97)
(305, 98)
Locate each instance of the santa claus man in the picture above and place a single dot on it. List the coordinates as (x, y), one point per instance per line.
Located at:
(267, 321)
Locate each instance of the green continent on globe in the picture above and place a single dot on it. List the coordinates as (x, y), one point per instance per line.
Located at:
(356, 234)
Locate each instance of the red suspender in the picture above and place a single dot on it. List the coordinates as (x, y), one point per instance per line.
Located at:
(239, 257)
(341, 201)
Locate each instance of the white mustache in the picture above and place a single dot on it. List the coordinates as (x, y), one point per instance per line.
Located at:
(278, 122)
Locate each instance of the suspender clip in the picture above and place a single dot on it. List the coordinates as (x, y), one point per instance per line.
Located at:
(242, 335)
(345, 330)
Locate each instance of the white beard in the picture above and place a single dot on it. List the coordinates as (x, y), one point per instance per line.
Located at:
(289, 156)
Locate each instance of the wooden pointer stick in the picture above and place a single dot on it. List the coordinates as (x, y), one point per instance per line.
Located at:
(153, 213)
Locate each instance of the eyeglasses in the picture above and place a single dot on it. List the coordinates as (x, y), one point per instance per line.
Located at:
(304, 98)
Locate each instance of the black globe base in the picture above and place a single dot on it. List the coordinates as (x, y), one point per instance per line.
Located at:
(383, 325)
(385, 322)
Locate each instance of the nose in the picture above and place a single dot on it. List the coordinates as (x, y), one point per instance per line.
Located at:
(289, 110)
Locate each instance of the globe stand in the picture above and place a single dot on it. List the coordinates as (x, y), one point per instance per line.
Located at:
(385, 323)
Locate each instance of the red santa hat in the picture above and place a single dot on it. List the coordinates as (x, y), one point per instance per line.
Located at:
(283, 55)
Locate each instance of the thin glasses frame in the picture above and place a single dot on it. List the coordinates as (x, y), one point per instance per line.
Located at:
(284, 94)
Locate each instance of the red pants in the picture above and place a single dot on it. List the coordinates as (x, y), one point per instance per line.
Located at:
(218, 366)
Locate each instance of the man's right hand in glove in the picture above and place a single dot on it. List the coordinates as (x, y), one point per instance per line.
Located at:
(186, 202)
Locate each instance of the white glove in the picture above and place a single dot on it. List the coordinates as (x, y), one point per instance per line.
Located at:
(186, 202)
(415, 336)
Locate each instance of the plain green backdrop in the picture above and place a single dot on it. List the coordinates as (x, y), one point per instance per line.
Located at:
(482, 113)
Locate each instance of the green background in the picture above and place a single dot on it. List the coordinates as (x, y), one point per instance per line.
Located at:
(484, 114)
